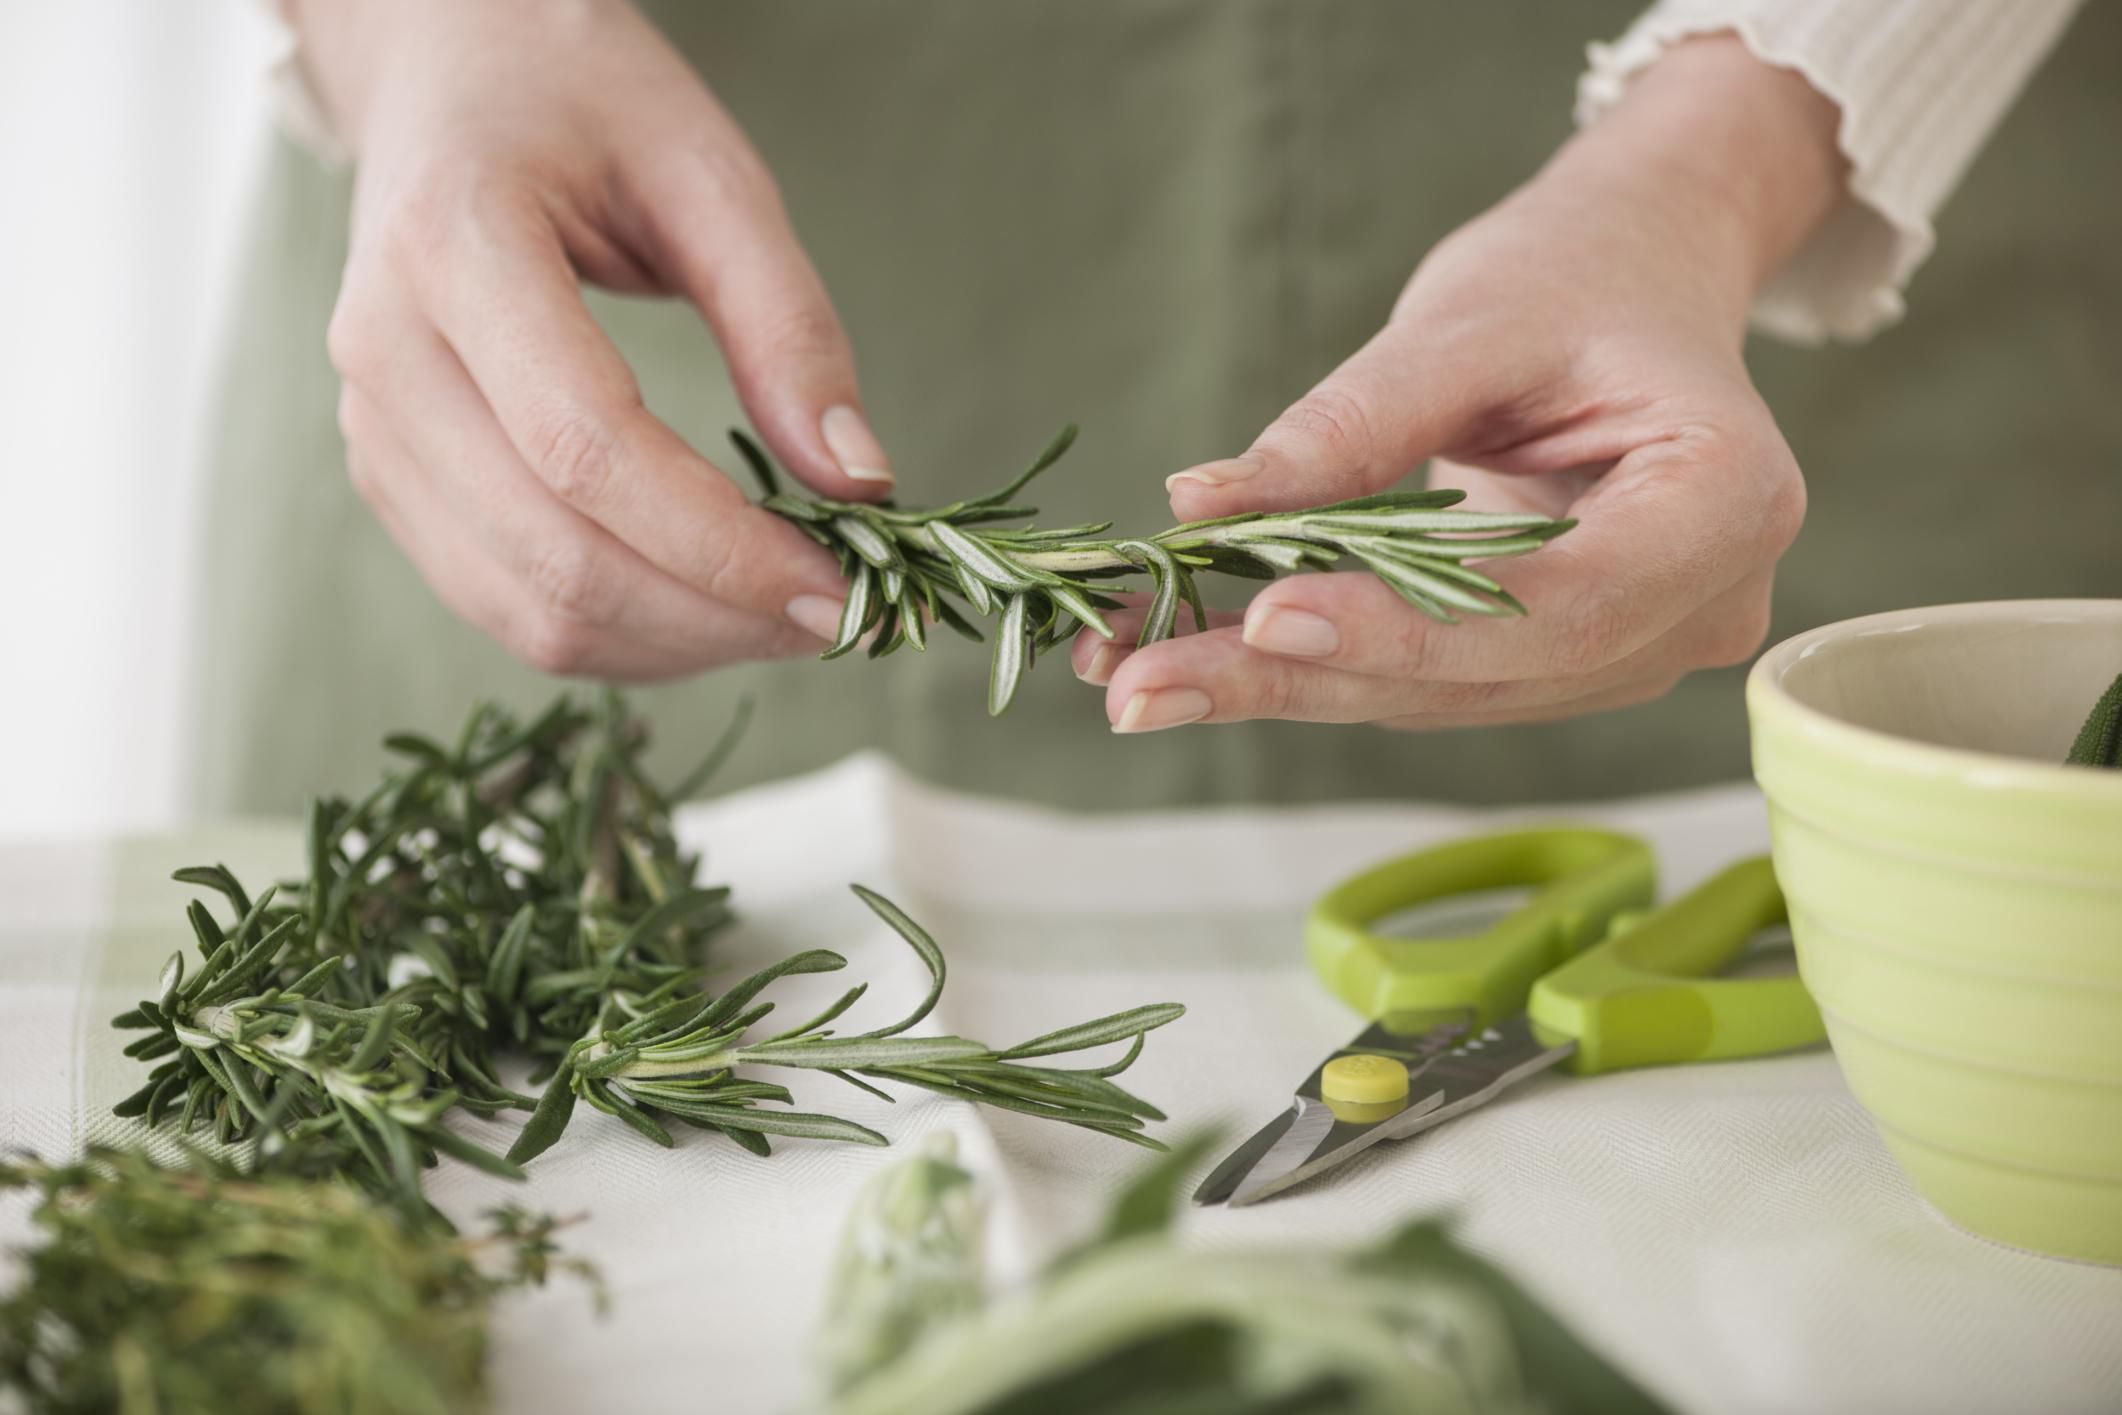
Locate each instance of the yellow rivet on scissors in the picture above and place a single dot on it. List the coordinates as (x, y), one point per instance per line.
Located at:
(1364, 1079)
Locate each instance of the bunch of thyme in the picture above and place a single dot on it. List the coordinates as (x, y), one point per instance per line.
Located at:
(199, 1291)
(521, 893)
(910, 568)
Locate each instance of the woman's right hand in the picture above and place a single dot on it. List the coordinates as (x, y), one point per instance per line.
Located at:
(507, 150)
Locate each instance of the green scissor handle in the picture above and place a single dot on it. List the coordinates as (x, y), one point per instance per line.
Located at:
(1645, 996)
(1584, 877)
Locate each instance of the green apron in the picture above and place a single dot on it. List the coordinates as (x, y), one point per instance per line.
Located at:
(1165, 219)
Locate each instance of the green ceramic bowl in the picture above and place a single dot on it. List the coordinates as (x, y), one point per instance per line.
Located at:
(1956, 899)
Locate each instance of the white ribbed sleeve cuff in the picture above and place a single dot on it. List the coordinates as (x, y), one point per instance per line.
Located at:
(1921, 84)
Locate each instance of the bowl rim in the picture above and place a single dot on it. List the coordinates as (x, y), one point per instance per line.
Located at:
(1764, 684)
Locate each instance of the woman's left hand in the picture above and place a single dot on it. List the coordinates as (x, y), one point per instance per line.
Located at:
(1575, 351)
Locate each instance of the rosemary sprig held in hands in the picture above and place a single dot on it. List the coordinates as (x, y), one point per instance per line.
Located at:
(908, 569)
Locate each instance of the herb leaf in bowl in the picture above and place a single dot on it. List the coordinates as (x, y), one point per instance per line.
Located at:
(2099, 742)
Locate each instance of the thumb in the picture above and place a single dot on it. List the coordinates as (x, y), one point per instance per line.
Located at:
(1369, 423)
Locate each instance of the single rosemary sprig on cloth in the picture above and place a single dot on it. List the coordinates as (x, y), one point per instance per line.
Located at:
(909, 569)
(679, 1059)
(198, 1291)
(2099, 741)
(521, 893)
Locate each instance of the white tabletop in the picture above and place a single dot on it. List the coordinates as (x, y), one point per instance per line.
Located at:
(1734, 1235)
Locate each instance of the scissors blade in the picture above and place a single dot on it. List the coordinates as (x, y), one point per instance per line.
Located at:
(1481, 1068)
(1224, 1179)
(1469, 1075)
(1416, 1050)
(1317, 1141)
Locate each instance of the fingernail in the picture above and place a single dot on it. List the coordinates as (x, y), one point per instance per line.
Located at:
(1099, 671)
(1296, 632)
(854, 446)
(1232, 469)
(1160, 708)
(815, 614)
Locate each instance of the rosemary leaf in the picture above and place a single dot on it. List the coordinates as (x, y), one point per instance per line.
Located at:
(1115, 1028)
(917, 939)
(863, 1053)
(1011, 655)
(555, 1108)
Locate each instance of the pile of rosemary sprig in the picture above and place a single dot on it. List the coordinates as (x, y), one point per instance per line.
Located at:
(909, 569)
(520, 892)
(199, 1291)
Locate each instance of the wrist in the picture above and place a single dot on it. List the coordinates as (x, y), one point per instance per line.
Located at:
(345, 47)
(1735, 160)
(362, 55)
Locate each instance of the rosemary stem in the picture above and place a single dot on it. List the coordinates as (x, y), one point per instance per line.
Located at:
(1062, 560)
(1076, 560)
(1097, 555)
(217, 1021)
(643, 1069)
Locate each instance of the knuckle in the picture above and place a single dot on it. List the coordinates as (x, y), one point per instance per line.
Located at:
(1462, 697)
(1593, 640)
(1784, 515)
(418, 218)
(568, 579)
(434, 220)
(1295, 695)
(571, 448)
(1419, 651)
(803, 333)
(427, 208)
(732, 565)
(722, 578)
(350, 340)
(1739, 638)
(1275, 695)
(554, 645)
(732, 177)
(1336, 424)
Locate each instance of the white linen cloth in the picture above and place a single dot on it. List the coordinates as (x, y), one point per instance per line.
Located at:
(1921, 85)
(1734, 1235)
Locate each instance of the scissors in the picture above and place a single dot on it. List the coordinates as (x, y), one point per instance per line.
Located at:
(1583, 974)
